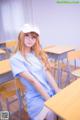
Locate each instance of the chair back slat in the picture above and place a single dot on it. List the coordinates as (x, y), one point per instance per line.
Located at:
(11, 43)
(73, 55)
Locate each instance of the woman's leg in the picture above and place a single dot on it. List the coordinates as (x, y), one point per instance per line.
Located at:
(45, 114)
(51, 116)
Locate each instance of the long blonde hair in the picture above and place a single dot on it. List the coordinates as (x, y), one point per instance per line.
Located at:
(36, 48)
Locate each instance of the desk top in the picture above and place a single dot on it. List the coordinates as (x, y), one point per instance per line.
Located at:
(58, 49)
(4, 66)
(67, 102)
(48, 46)
(2, 51)
(76, 73)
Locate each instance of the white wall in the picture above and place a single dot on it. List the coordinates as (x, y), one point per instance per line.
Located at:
(59, 23)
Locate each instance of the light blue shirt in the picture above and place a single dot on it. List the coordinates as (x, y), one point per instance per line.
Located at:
(32, 64)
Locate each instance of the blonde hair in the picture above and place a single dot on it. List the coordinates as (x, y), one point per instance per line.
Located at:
(36, 48)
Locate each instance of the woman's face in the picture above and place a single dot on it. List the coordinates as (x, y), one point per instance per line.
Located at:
(29, 40)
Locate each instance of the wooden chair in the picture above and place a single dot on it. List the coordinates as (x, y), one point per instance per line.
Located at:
(76, 73)
(2, 54)
(2, 44)
(10, 89)
(10, 46)
(73, 59)
(68, 65)
(13, 90)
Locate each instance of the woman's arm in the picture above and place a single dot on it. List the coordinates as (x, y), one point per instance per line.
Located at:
(52, 82)
(36, 84)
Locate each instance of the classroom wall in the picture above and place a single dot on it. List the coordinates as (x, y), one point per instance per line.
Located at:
(59, 23)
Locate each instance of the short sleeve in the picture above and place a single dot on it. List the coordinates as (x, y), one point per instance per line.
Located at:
(17, 66)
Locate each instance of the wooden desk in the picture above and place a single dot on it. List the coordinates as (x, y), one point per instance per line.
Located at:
(5, 71)
(49, 46)
(4, 66)
(58, 49)
(76, 73)
(67, 102)
(58, 53)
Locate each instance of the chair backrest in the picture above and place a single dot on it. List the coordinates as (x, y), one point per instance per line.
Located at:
(13, 84)
(2, 44)
(19, 85)
(10, 44)
(10, 89)
(10, 47)
(73, 56)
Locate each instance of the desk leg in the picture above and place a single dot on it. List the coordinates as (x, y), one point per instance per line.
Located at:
(59, 74)
(68, 70)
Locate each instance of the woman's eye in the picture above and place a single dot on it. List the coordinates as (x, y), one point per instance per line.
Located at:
(27, 35)
(34, 37)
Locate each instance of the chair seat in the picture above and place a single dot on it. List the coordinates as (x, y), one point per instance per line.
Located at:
(11, 90)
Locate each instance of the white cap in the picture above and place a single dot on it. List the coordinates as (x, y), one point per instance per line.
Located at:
(27, 28)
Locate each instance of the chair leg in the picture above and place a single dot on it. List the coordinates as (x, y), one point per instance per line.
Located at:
(20, 103)
(7, 103)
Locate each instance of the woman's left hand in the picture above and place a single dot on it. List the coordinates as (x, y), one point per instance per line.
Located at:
(58, 90)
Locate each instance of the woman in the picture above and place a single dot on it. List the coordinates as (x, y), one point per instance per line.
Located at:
(30, 64)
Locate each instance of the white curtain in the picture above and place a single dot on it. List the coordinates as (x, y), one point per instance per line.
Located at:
(13, 14)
